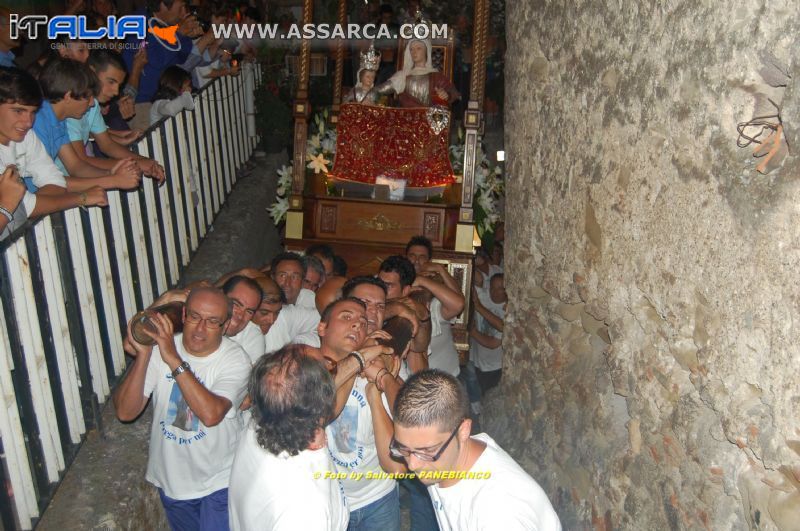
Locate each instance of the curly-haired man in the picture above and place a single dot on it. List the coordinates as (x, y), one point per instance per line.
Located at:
(282, 476)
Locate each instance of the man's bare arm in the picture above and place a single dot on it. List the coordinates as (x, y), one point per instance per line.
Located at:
(485, 340)
(129, 399)
(491, 318)
(452, 300)
(207, 406)
(384, 431)
(52, 198)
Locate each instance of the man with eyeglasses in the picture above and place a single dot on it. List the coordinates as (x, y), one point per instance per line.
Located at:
(474, 484)
(197, 380)
(245, 295)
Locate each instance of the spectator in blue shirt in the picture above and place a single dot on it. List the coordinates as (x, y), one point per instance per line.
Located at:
(160, 53)
(68, 88)
(6, 42)
(110, 71)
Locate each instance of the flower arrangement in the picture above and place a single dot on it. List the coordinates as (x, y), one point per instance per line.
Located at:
(280, 207)
(321, 145)
(489, 189)
(320, 151)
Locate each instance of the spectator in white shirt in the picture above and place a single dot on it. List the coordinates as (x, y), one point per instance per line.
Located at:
(174, 94)
(24, 158)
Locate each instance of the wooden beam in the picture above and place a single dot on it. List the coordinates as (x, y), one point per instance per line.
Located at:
(341, 19)
(301, 112)
(473, 118)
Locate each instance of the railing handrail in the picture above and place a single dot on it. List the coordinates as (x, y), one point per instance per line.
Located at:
(71, 280)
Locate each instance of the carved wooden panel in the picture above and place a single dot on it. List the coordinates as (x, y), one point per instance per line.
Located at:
(431, 226)
(327, 219)
(461, 273)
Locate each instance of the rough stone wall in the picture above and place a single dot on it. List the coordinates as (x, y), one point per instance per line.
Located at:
(651, 374)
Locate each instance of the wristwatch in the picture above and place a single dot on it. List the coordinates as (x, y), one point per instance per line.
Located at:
(183, 367)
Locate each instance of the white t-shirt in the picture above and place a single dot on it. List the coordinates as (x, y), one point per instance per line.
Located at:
(162, 108)
(493, 270)
(442, 353)
(284, 492)
(509, 499)
(351, 443)
(252, 341)
(32, 161)
(188, 459)
(487, 359)
(307, 299)
(292, 323)
(200, 73)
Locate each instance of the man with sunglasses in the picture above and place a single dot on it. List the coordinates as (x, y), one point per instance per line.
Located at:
(474, 484)
(197, 380)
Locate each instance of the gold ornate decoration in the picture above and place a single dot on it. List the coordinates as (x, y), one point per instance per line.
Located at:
(438, 118)
(305, 46)
(378, 222)
(478, 47)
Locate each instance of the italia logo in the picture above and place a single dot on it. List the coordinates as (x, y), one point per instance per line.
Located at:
(77, 27)
(166, 35)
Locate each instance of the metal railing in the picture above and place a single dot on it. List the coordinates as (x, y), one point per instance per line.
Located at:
(71, 281)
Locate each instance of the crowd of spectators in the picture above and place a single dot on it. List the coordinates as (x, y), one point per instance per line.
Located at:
(69, 118)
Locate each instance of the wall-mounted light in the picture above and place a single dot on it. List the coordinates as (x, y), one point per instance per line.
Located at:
(501, 156)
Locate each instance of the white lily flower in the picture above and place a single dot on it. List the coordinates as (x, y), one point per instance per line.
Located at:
(278, 210)
(285, 171)
(480, 182)
(486, 203)
(329, 146)
(318, 163)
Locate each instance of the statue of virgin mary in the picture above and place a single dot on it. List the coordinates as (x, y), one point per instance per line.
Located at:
(419, 84)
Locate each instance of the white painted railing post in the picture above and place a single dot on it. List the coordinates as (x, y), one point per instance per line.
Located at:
(87, 275)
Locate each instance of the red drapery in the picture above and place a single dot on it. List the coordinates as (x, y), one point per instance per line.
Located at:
(398, 143)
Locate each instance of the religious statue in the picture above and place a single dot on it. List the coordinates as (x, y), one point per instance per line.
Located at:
(364, 90)
(419, 84)
(409, 144)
